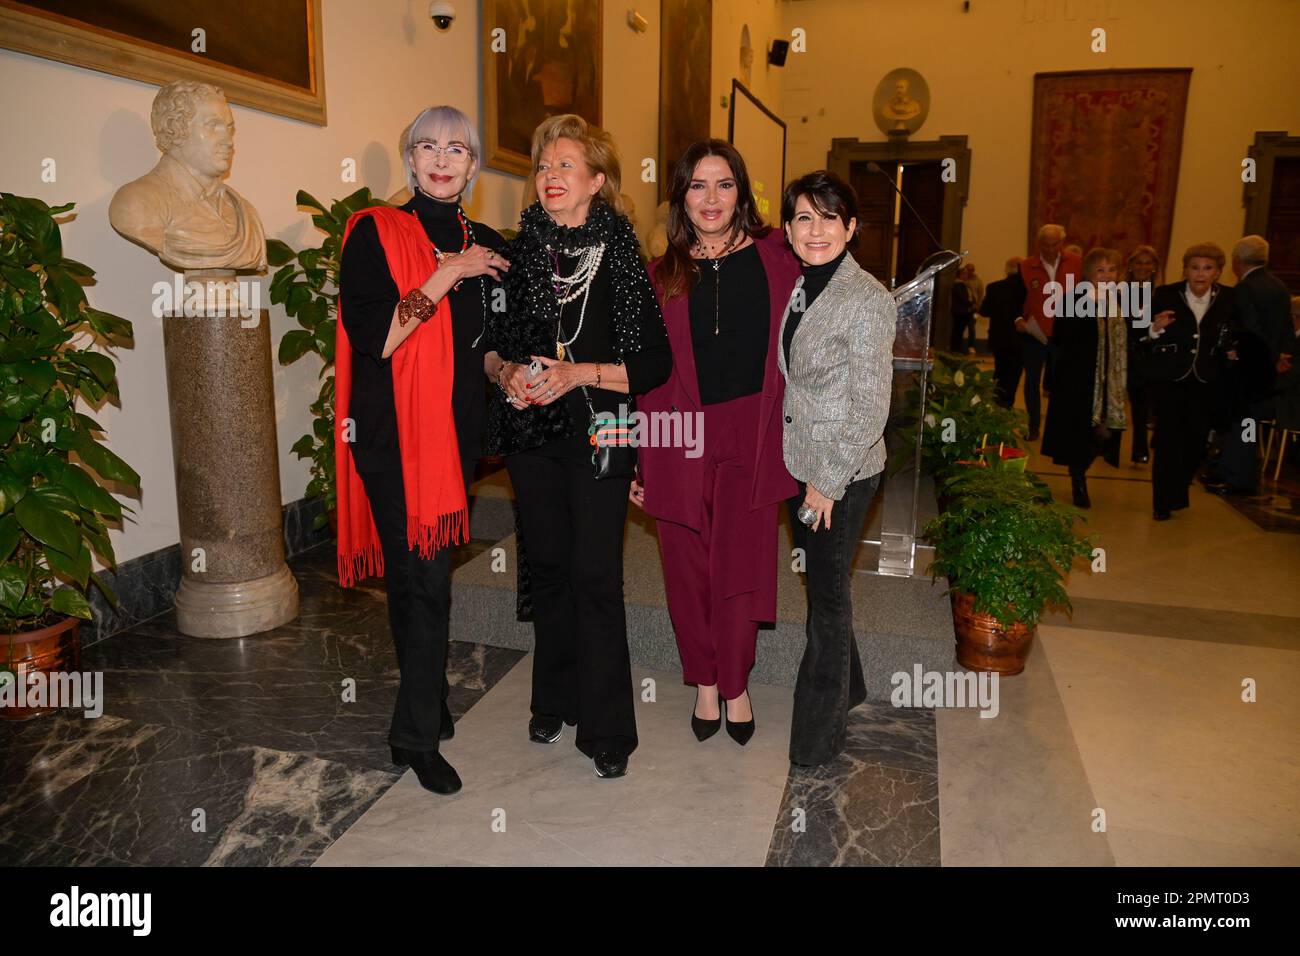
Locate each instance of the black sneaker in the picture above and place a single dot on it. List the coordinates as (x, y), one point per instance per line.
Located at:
(610, 765)
(545, 730)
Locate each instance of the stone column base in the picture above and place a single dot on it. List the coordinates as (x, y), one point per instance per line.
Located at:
(210, 609)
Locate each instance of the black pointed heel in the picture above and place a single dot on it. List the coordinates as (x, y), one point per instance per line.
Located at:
(740, 732)
(704, 729)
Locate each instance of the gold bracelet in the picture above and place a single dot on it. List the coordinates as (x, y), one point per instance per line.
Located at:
(415, 305)
(598, 375)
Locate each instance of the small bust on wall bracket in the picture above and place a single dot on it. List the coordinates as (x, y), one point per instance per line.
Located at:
(181, 210)
(901, 102)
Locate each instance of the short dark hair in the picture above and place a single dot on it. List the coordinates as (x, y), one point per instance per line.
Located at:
(827, 193)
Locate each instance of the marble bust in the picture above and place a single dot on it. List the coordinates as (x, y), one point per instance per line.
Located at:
(181, 210)
(901, 106)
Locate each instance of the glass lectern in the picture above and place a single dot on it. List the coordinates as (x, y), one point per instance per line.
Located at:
(915, 301)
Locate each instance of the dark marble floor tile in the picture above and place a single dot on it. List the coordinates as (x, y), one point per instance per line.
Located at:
(877, 804)
(140, 805)
(19, 849)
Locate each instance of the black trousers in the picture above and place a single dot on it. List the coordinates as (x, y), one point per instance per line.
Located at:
(1141, 401)
(1183, 411)
(573, 527)
(830, 681)
(1007, 366)
(419, 613)
(1033, 354)
(963, 327)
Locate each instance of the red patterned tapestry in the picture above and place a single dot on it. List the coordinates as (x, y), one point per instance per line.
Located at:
(1106, 146)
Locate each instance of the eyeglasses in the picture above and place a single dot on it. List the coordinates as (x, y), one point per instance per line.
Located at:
(454, 152)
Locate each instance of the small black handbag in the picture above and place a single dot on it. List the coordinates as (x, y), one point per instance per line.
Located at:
(613, 455)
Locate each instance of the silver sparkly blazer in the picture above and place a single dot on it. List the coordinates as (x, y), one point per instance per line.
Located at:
(839, 381)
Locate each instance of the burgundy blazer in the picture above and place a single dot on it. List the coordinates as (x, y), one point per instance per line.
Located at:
(674, 483)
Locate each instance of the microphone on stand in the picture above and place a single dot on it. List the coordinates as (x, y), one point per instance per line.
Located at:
(875, 168)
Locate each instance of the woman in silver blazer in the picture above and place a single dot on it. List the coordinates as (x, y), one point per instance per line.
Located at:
(837, 340)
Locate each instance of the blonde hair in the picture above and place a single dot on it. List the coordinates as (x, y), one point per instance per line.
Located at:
(1097, 255)
(1204, 250)
(597, 146)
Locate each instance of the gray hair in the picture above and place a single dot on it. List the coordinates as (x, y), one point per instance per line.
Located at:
(1252, 250)
(174, 108)
(440, 119)
(1051, 227)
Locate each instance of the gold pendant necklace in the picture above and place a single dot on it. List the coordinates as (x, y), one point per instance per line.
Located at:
(716, 262)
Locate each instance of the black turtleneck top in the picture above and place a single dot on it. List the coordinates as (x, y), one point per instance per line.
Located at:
(367, 297)
(815, 279)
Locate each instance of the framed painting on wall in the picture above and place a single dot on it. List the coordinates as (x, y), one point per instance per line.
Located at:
(540, 58)
(685, 77)
(266, 54)
(1105, 153)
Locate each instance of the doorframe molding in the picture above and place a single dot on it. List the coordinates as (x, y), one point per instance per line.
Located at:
(1266, 149)
(845, 151)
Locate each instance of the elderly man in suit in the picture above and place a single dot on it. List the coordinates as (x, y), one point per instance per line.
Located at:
(1001, 305)
(1037, 272)
(1261, 328)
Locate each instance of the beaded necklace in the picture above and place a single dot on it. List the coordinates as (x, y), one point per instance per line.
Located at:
(466, 240)
(579, 284)
(716, 262)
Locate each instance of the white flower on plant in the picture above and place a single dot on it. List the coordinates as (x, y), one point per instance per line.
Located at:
(974, 399)
(929, 420)
(958, 378)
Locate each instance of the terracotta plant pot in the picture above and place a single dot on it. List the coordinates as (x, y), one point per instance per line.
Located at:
(985, 645)
(53, 648)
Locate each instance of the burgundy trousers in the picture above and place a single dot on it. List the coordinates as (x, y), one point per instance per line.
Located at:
(720, 580)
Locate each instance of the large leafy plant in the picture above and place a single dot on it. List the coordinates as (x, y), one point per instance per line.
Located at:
(1003, 540)
(55, 476)
(307, 285)
(961, 415)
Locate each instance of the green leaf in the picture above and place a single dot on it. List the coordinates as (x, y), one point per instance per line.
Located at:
(9, 535)
(47, 525)
(75, 568)
(278, 253)
(100, 366)
(106, 464)
(305, 198)
(70, 602)
(295, 344)
(88, 493)
(108, 325)
(13, 585)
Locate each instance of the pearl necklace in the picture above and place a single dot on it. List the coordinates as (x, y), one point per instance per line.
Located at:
(579, 285)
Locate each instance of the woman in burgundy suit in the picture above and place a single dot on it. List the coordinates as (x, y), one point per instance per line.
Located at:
(723, 284)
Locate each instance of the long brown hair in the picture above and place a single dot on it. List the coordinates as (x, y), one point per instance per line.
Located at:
(676, 272)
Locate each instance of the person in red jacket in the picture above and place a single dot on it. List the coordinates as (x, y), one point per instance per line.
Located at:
(1051, 264)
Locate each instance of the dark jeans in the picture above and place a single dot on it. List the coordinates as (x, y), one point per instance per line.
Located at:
(1183, 411)
(419, 613)
(1033, 354)
(1006, 372)
(830, 679)
(573, 527)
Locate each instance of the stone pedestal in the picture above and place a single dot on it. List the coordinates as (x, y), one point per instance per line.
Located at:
(234, 580)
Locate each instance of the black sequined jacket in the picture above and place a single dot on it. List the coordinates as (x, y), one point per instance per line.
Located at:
(527, 323)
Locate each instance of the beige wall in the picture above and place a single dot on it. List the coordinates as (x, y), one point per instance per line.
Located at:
(980, 66)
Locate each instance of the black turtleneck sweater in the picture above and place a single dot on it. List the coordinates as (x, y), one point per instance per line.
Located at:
(367, 297)
(815, 279)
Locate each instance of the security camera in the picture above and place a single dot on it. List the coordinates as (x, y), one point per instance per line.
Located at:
(442, 13)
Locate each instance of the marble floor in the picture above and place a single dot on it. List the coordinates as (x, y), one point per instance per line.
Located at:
(1125, 742)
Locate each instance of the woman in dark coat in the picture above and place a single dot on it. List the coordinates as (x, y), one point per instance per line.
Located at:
(1089, 354)
(579, 309)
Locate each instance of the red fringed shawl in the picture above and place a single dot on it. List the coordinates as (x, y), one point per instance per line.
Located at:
(422, 366)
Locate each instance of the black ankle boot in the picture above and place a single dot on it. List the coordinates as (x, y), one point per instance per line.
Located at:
(431, 769)
(1079, 488)
(446, 726)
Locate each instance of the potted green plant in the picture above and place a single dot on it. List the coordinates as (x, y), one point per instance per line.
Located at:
(55, 476)
(306, 283)
(1006, 548)
(961, 415)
